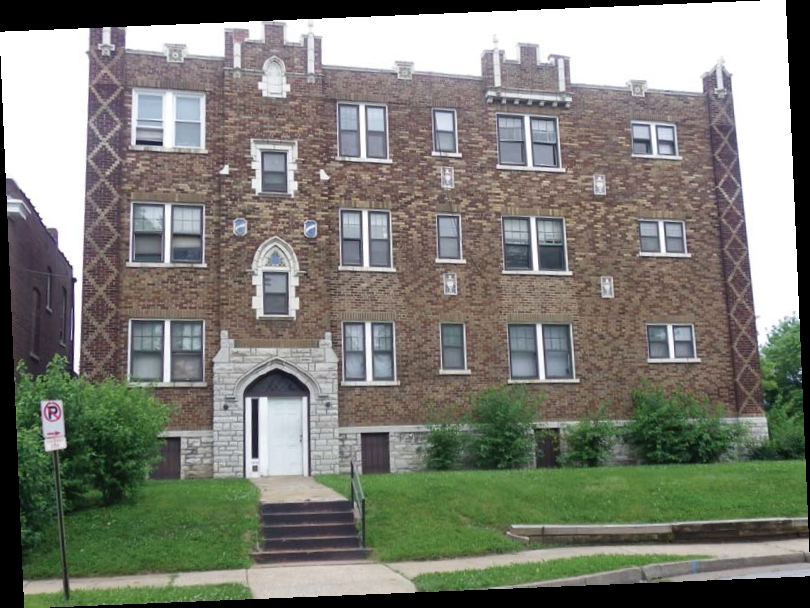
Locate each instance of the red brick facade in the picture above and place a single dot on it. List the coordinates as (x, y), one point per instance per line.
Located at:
(602, 232)
(41, 326)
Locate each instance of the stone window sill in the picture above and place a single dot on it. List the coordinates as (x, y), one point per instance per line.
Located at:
(365, 269)
(653, 254)
(540, 273)
(170, 384)
(695, 360)
(135, 148)
(455, 372)
(558, 381)
(375, 383)
(450, 261)
(534, 169)
(161, 265)
(657, 157)
(353, 159)
(447, 154)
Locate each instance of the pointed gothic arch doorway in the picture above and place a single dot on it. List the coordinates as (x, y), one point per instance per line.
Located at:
(276, 426)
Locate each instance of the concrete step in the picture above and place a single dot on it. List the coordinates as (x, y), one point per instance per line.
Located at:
(307, 507)
(308, 531)
(282, 519)
(312, 543)
(324, 555)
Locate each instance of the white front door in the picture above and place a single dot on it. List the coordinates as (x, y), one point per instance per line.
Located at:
(282, 436)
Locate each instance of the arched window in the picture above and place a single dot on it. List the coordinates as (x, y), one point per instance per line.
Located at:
(275, 279)
(274, 83)
(49, 291)
(36, 324)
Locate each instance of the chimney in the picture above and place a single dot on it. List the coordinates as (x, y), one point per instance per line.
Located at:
(527, 54)
(274, 34)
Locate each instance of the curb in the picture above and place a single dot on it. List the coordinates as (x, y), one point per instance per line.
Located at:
(655, 572)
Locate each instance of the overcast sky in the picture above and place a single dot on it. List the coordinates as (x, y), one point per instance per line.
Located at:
(44, 79)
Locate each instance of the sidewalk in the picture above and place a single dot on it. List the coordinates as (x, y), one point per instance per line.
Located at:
(321, 580)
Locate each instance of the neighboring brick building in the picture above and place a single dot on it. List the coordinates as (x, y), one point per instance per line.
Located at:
(40, 286)
(315, 262)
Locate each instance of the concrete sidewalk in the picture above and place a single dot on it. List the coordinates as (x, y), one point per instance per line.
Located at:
(321, 580)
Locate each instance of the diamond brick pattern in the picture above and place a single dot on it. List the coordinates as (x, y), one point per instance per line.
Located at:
(739, 293)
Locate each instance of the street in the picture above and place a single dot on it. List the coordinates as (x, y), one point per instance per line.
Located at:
(787, 571)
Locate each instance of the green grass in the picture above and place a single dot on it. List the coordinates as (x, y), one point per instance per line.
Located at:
(160, 595)
(439, 515)
(520, 574)
(175, 526)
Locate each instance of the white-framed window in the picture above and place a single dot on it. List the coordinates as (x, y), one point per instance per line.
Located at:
(369, 353)
(274, 80)
(654, 139)
(166, 351)
(448, 239)
(527, 141)
(49, 291)
(275, 280)
(453, 338)
(662, 238)
(168, 119)
(445, 133)
(362, 131)
(167, 234)
(274, 163)
(365, 240)
(535, 245)
(671, 343)
(541, 352)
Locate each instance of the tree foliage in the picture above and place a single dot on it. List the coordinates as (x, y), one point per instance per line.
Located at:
(781, 362)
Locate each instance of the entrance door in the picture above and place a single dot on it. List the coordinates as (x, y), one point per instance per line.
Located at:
(281, 436)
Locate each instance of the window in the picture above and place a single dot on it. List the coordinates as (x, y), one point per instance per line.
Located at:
(362, 131)
(535, 245)
(541, 352)
(654, 139)
(368, 352)
(150, 244)
(274, 81)
(49, 291)
(662, 237)
(36, 324)
(541, 149)
(274, 163)
(166, 351)
(365, 239)
(448, 230)
(671, 342)
(445, 135)
(454, 347)
(63, 318)
(276, 293)
(168, 119)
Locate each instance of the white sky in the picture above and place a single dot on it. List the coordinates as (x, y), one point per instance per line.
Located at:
(44, 78)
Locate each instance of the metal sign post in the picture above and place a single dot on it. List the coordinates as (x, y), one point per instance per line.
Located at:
(53, 432)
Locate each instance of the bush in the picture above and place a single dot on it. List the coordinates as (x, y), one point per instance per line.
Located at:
(502, 427)
(676, 429)
(445, 447)
(786, 437)
(113, 430)
(590, 441)
(37, 500)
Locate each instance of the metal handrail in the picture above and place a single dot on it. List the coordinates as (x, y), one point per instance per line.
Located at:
(359, 500)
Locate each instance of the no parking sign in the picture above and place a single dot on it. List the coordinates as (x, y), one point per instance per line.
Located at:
(53, 425)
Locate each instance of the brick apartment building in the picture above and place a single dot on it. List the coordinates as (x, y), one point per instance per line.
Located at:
(313, 263)
(40, 287)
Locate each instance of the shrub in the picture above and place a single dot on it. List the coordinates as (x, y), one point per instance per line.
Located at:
(676, 429)
(502, 427)
(786, 437)
(590, 441)
(37, 501)
(113, 430)
(445, 447)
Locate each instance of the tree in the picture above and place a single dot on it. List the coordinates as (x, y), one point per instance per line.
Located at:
(782, 367)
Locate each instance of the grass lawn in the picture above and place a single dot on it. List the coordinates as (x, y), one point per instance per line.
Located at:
(171, 526)
(118, 597)
(520, 574)
(437, 515)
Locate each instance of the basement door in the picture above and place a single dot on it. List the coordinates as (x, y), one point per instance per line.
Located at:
(281, 436)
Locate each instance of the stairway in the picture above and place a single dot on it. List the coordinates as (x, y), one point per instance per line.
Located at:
(308, 532)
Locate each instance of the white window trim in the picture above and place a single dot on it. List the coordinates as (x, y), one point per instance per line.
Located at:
(169, 120)
(366, 236)
(654, 140)
(541, 357)
(466, 371)
(290, 148)
(460, 259)
(264, 85)
(363, 134)
(435, 152)
(369, 354)
(662, 241)
(291, 267)
(535, 247)
(165, 382)
(671, 343)
(63, 318)
(527, 144)
(167, 237)
(49, 292)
